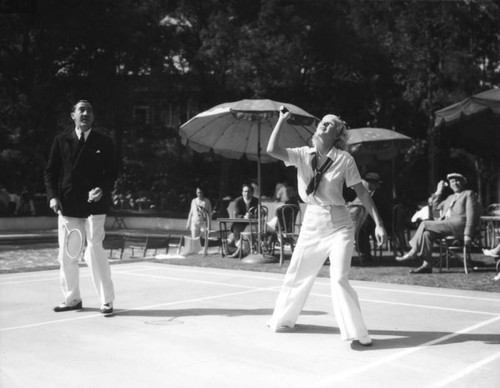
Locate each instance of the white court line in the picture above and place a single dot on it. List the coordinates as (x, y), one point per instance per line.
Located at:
(162, 277)
(53, 277)
(326, 282)
(462, 373)
(387, 360)
(431, 307)
(230, 273)
(132, 309)
(319, 281)
(425, 306)
(316, 294)
(15, 282)
(431, 293)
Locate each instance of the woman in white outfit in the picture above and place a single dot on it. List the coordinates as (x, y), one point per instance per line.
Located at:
(195, 221)
(327, 229)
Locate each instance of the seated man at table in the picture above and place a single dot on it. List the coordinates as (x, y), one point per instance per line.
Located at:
(242, 206)
(460, 214)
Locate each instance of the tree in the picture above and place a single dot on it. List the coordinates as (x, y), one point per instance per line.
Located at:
(380, 63)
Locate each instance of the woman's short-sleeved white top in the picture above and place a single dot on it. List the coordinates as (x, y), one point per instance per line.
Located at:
(329, 192)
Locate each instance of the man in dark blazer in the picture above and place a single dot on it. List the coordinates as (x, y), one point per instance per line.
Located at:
(79, 178)
(242, 207)
(460, 214)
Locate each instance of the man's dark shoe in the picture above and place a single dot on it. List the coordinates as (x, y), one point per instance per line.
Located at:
(67, 307)
(107, 308)
(422, 269)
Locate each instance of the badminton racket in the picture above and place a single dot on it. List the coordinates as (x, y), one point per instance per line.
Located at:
(73, 241)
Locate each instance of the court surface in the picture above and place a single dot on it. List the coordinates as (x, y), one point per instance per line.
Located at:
(177, 326)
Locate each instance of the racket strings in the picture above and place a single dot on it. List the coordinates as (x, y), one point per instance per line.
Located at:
(74, 243)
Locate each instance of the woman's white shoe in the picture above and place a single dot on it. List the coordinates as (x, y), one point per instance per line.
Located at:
(365, 341)
(489, 253)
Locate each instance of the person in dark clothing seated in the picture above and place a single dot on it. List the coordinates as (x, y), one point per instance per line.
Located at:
(242, 206)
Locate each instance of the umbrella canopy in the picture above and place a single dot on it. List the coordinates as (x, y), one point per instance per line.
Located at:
(367, 144)
(237, 129)
(473, 123)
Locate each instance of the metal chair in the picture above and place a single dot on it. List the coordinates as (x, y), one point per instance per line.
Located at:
(211, 237)
(287, 229)
(112, 243)
(452, 246)
(253, 237)
(146, 243)
(400, 230)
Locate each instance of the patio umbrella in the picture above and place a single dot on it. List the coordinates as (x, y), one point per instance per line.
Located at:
(473, 123)
(237, 129)
(370, 144)
(367, 144)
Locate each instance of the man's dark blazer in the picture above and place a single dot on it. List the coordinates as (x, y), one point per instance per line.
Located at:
(241, 207)
(70, 175)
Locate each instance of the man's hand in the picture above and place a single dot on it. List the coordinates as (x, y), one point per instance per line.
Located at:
(380, 234)
(467, 240)
(55, 205)
(441, 186)
(95, 194)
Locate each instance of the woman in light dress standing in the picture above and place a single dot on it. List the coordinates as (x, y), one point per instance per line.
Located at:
(195, 221)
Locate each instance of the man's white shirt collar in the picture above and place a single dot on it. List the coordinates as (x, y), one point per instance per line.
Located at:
(330, 154)
(86, 134)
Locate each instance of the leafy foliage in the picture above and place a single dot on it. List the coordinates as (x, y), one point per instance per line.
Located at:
(386, 64)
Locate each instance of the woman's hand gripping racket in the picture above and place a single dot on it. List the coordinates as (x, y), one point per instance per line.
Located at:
(73, 241)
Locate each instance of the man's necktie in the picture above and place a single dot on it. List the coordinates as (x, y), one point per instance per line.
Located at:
(318, 173)
(79, 146)
(81, 142)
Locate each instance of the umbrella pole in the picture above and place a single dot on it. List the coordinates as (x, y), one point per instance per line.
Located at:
(259, 215)
(393, 178)
(259, 257)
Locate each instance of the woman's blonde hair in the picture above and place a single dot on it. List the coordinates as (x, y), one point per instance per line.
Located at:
(341, 141)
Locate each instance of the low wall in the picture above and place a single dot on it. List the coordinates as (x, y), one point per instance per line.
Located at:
(154, 223)
(27, 223)
(48, 223)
